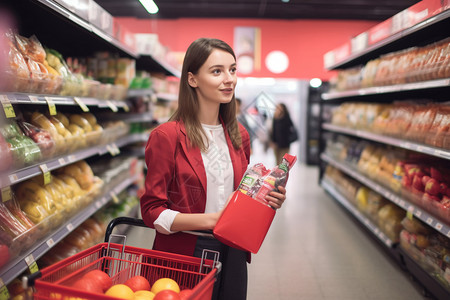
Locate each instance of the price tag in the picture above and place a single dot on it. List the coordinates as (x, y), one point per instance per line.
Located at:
(112, 106)
(6, 194)
(81, 104)
(115, 148)
(62, 161)
(51, 106)
(429, 221)
(50, 242)
(438, 226)
(69, 226)
(33, 99)
(4, 294)
(98, 204)
(71, 158)
(32, 265)
(126, 108)
(418, 213)
(114, 197)
(448, 234)
(13, 178)
(409, 215)
(7, 107)
(46, 173)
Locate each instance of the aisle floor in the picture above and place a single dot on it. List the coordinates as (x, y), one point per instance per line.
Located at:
(314, 250)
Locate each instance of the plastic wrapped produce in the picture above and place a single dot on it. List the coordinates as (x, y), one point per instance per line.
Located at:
(41, 137)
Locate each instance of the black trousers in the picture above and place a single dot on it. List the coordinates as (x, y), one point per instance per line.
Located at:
(232, 280)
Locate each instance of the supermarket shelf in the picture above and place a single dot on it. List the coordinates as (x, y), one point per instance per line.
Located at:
(376, 49)
(140, 92)
(87, 26)
(418, 212)
(131, 117)
(23, 98)
(441, 153)
(439, 83)
(148, 62)
(29, 172)
(357, 214)
(167, 97)
(17, 266)
(431, 285)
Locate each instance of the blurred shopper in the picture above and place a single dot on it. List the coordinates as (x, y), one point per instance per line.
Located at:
(283, 132)
(242, 118)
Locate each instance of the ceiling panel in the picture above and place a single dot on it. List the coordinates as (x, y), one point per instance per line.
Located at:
(266, 9)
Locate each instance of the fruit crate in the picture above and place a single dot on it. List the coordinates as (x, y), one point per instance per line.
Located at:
(122, 262)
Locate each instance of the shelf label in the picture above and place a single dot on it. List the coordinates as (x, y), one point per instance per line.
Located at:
(98, 204)
(51, 106)
(7, 107)
(409, 214)
(429, 221)
(418, 213)
(13, 178)
(6, 194)
(46, 173)
(81, 104)
(438, 226)
(126, 108)
(62, 161)
(50, 242)
(69, 226)
(33, 99)
(112, 106)
(114, 197)
(113, 149)
(71, 158)
(4, 294)
(32, 265)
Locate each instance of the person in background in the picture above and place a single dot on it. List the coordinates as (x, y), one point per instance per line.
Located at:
(280, 135)
(197, 160)
(241, 117)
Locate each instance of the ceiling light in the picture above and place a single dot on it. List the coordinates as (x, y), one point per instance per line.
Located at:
(315, 82)
(285, 1)
(150, 6)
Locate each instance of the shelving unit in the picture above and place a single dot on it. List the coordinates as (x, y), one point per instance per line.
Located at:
(14, 268)
(72, 34)
(422, 24)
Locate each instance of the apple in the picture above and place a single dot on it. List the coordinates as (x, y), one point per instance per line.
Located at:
(432, 187)
(417, 183)
(436, 174)
(87, 285)
(425, 179)
(406, 181)
(138, 283)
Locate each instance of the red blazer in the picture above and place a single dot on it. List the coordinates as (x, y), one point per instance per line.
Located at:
(176, 179)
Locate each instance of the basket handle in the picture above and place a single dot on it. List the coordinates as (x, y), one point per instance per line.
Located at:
(140, 223)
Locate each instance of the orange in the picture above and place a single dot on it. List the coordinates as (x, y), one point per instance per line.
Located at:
(120, 291)
(143, 295)
(165, 284)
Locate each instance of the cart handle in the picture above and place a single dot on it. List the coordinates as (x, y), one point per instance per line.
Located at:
(140, 223)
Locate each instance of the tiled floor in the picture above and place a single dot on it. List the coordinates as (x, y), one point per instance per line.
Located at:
(313, 250)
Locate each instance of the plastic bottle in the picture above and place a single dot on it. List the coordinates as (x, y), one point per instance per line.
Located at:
(278, 176)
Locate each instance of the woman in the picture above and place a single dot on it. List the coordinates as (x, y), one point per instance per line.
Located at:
(196, 160)
(282, 132)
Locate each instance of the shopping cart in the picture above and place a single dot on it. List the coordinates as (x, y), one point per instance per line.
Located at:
(122, 262)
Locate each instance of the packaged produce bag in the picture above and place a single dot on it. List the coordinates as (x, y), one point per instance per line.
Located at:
(247, 216)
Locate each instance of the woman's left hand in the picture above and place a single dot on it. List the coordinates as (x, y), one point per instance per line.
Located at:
(276, 199)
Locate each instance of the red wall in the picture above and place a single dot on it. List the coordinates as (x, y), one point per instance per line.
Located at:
(304, 41)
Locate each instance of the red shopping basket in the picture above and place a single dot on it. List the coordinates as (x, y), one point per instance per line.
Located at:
(122, 262)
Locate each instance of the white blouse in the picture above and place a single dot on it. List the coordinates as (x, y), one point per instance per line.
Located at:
(219, 177)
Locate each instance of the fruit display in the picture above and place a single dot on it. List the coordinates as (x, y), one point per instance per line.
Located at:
(409, 65)
(427, 123)
(428, 248)
(36, 208)
(421, 179)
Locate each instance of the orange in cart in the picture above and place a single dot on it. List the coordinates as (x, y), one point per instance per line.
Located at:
(165, 284)
(143, 295)
(120, 291)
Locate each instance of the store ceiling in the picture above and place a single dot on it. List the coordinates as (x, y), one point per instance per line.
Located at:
(265, 9)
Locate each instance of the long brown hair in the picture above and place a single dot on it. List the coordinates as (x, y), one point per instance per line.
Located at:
(188, 105)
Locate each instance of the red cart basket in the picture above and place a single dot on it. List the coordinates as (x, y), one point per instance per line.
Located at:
(122, 262)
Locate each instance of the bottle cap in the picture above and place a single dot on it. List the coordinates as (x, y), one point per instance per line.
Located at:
(291, 159)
